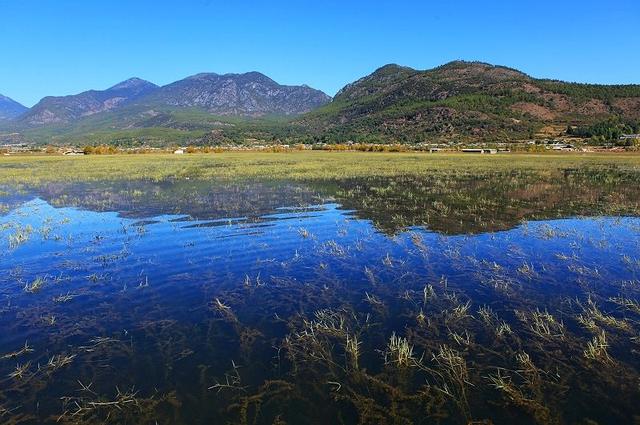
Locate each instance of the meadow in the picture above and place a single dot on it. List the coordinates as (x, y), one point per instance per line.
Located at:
(305, 165)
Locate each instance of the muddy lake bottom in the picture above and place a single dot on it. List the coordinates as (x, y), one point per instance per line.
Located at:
(379, 301)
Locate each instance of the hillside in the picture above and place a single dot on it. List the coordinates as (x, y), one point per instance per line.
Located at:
(458, 102)
(10, 109)
(250, 94)
(65, 109)
(203, 108)
(465, 101)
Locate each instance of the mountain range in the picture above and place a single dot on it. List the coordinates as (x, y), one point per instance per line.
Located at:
(10, 109)
(459, 101)
(250, 94)
(64, 109)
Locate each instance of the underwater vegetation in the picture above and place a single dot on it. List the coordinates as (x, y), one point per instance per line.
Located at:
(459, 296)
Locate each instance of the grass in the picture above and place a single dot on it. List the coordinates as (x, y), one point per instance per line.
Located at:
(399, 351)
(305, 165)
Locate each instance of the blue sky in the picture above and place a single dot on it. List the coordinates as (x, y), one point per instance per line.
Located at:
(58, 47)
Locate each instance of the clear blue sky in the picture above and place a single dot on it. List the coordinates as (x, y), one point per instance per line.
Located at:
(58, 47)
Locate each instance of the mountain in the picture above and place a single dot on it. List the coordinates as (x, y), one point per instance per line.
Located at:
(10, 109)
(65, 109)
(250, 94)
(466, 101)
(457, 102)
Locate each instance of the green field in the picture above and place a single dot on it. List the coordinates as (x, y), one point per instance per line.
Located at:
(310, 165)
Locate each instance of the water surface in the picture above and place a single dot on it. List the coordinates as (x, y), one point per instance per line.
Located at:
(497, 298)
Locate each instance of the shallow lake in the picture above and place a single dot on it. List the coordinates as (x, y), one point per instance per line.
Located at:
(494, 298)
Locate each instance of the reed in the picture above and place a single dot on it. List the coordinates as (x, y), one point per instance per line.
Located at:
(399, 352)
(597, 348)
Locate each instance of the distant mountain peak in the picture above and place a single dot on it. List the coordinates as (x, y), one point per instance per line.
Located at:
(392, 68)
(10, 109)
(202, 76)
(464, 63)
(252, 75)
(65, 109)
(245, 94)
(134, 82)
(378, 79)
(480, 67)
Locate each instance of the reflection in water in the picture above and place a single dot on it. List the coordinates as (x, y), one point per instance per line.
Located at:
(446, 202)
(509, 298)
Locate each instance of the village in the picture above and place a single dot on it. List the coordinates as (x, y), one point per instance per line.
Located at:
(531, 146)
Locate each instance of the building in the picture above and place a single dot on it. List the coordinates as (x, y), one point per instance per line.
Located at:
(480, 150)
(630, 137)
(179, 151)
(72, 152)
(561, 147)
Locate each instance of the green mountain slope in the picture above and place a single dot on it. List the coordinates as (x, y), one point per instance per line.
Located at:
(204, 108)
(465, 101)
(137, 125)
(456, 102)
(66, 109)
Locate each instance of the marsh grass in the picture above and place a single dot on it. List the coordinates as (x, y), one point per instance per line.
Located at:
(26, 349)
(35, 285)
(627, 303)
(20, 236)
(593, 316)
(399, 352)
(542, 323)
(21, 371)
(294, 165)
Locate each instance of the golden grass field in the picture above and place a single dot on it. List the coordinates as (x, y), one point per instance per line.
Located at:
(308, 165)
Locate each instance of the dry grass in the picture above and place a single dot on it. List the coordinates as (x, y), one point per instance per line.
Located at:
(294, 165)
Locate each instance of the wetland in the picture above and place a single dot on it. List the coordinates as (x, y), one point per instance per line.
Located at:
(316, 288)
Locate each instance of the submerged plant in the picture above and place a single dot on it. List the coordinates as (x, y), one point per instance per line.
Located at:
(454, 376)
(64, 298)
(597, 348)
(20, 236)
(487, 315)
(428, 293)
(459, 312)
(543, 324)
(20, 371)
(503, 329)
(224, 310)
(304, 232)
(421, 318)
(88, 407)
(36, 285)
(232, 380)
(628, 303)
(352, 348)
(592, 316)
(527, 270)
(26, 349)
(59, 361)
(399, 351)
(440, 355)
